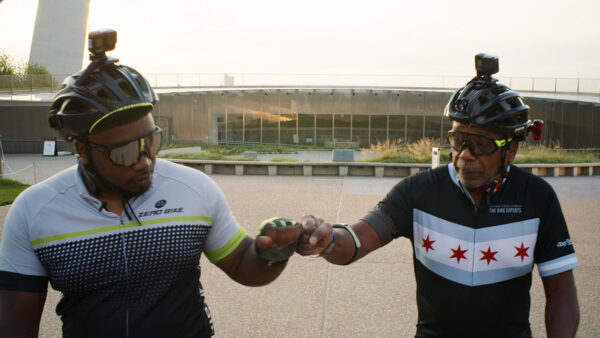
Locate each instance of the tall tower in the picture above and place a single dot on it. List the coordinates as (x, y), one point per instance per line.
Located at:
(59, 36)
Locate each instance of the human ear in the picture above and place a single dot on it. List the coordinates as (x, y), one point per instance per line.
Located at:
(80, 147)
(512, 152)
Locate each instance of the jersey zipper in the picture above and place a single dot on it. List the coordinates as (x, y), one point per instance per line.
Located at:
(124, 241)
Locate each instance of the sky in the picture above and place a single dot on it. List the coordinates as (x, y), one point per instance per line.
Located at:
(532, 38)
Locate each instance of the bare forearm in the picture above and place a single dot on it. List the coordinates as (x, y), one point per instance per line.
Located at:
(562, 306)
(20, 313)
(562, 319)
(12, 327)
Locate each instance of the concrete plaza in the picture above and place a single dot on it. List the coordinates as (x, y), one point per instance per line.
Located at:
(374, 297)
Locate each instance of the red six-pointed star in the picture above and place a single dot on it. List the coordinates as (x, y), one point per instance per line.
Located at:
(522, 251)
(458, 254)
(488, 255)
(427, 244)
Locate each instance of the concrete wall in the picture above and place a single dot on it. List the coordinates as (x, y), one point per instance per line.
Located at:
(23, 126)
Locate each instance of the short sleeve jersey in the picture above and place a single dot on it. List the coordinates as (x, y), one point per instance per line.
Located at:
(135, 274)
(473, 264)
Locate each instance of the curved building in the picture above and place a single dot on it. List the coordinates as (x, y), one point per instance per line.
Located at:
(340, 117)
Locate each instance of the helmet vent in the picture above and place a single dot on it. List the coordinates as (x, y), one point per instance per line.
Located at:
(141, 83)
(76, 106)
(104, 95)
(126, 88)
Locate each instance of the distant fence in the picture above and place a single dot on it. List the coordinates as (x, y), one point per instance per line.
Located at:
(11, 84)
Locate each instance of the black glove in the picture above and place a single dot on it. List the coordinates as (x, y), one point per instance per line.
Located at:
(273, 256)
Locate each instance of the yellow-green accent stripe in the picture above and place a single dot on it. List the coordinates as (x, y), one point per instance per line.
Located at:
(501, 143)
(225, 250)
(118, 226)
(143, 104)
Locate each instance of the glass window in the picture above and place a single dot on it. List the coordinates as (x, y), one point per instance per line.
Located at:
(446, 125)
(200, 118)
(183, 117)
(271, 105)
(220, 133)
(596, 127)
(397, 128)
(414, 128)
(360, 129)
(270, 128)
(585, 136)
(234, 108)
(235, 126)
(324, 126)
(342, 125)
(433, 127)
(570, 130)
(252, 128)
(306, 128)
(288, 128)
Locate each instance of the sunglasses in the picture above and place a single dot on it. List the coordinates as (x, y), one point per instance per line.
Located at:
(129, 153)
(478, 144)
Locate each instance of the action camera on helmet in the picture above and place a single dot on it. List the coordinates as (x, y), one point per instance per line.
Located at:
(104, 95)
(486, 65)
(485, 103)
(101, 41)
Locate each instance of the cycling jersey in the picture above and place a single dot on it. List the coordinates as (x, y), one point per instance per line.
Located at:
(130, 275)
(473, 263)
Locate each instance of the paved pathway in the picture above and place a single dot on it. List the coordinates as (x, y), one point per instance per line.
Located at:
(374, 297)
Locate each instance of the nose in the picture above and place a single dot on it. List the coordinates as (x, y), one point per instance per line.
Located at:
(465, 153)
(143, 163)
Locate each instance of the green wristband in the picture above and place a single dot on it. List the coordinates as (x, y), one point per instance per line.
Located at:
(354, 237)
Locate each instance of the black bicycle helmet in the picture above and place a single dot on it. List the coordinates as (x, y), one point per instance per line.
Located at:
(485, 103)
(102, 96)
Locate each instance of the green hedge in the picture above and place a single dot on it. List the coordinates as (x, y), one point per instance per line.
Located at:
(9, 190)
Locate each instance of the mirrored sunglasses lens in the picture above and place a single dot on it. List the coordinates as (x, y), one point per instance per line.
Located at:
(127, 154)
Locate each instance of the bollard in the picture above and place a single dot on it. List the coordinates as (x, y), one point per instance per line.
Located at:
(435, 157)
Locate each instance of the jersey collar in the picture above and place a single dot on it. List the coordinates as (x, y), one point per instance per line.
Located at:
(454, 177)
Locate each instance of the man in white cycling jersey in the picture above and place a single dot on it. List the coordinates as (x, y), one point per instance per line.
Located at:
(121, 233)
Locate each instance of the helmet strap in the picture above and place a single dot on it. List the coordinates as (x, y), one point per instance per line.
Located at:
(497, 182)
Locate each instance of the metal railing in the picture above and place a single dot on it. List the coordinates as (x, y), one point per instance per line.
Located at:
(22, 84)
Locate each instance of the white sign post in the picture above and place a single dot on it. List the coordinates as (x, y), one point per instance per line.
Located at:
(435, 157)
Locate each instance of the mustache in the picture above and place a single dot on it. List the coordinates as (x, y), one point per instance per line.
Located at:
(463, 165)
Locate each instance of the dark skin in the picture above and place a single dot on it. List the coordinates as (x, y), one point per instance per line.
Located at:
(562, 306)
(20, 312)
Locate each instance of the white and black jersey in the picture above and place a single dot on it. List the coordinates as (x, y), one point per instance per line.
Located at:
(130, 275)
(473, 263)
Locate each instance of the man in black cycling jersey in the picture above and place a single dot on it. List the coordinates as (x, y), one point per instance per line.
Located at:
(477, 226)
(121, 233)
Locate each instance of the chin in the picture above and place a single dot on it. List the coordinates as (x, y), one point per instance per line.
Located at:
(472, 183)
(138, 191)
